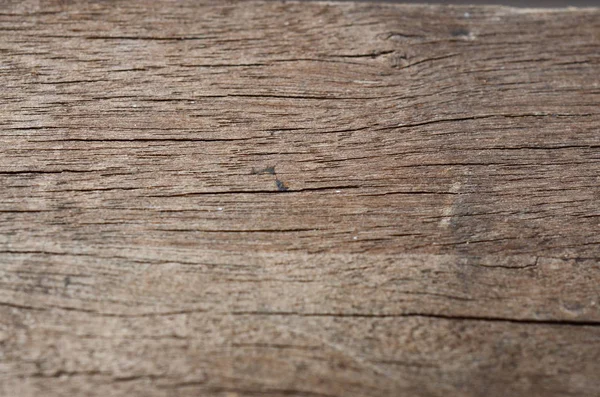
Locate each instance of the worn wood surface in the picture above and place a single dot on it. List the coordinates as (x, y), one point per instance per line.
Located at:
(298, 199)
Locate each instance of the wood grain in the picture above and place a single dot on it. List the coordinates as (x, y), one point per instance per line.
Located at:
(298, 199)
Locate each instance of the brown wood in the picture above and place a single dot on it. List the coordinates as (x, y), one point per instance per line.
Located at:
(298, 199)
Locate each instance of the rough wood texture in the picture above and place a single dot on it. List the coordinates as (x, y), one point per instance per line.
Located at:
(298, 199)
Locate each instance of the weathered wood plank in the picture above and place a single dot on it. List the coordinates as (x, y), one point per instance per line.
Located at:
(312, 199)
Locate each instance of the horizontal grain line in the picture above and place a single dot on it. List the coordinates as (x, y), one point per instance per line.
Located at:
(62, 373)
(22, 172)
(281, 96)
(588, 323)
(30, 128)
(558, 147)
(142, 38)
(67, 82)
(489, 319)
(102, 314)
(17, 306)
(405, 363)
(242, 230)
(23, 211)
(28, 14)
(221, 65)
(274, 191)
(479, 117)
(276, 346)
(408, 192)
(104, 189)
(144, 140)
(264, 391)
(438, 58)
(371, 55)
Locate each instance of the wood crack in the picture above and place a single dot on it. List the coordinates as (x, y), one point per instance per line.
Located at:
(490, 319)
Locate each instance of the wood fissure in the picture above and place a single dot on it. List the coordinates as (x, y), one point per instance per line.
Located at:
(276, 198)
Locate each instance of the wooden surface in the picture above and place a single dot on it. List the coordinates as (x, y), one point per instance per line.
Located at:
(298, 199)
